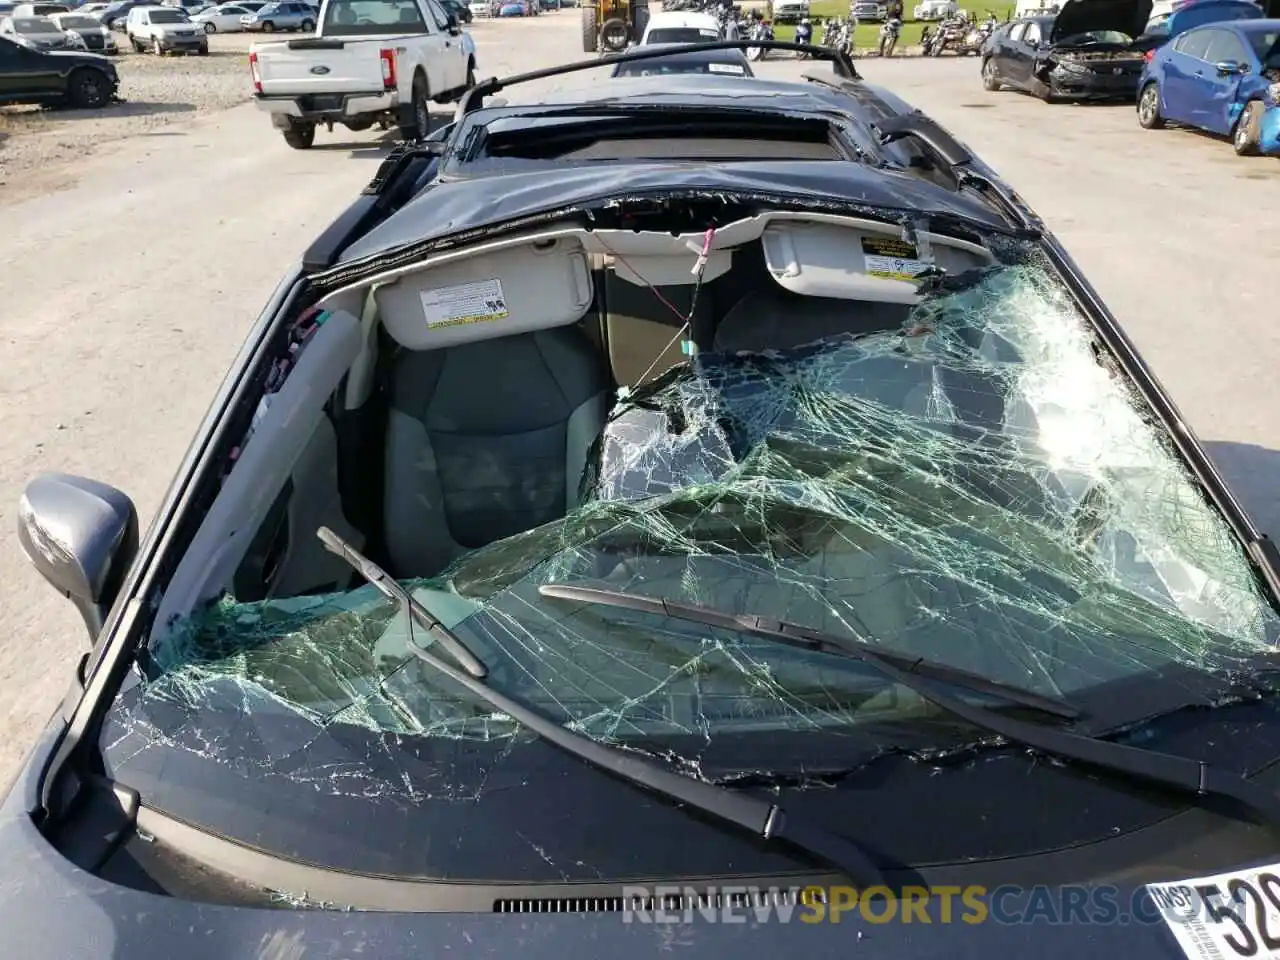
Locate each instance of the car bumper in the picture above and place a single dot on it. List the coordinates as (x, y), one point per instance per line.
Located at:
(325, 106)
(184, 43)
(1269, 133)
(1073, 85)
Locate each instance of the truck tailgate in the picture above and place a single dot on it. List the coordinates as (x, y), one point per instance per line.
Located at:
(317, 65)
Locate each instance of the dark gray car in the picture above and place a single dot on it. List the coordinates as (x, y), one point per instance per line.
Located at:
(678, 515)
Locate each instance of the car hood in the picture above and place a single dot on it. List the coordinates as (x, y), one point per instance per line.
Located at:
(1084, 16)
(52, 909)
(1196, 14)
(83, 57)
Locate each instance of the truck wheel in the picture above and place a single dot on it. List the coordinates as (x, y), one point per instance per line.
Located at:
(307, 26)
(300, 136)
(990, 80)
(268, 27)
(419, 121)
(590, 28)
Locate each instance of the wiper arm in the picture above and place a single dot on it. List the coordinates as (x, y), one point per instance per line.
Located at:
(392, 590)
(765, 820)
(804, 638)
(1182, 774)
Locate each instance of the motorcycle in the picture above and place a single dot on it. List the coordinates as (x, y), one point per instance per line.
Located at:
(976, 36)
(838, 36)
(950, 33)
(889, 36)
(763, 30)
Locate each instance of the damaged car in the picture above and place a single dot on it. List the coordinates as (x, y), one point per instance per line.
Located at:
(666, 505)
(1089, 50)
(1223, 78)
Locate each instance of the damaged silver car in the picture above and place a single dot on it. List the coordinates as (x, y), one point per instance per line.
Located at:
(643, 520)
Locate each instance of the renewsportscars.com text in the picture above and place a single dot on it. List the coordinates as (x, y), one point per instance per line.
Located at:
(971, 905)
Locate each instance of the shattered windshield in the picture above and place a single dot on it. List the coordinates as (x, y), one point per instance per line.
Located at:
(974, 488)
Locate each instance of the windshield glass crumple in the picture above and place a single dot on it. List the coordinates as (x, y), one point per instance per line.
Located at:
(975, 489)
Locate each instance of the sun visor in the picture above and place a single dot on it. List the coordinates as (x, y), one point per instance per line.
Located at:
(846, 263)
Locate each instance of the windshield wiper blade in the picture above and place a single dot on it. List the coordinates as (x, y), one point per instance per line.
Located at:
(1180, 774)
(805, 638)
(392, 590)
(765, 820)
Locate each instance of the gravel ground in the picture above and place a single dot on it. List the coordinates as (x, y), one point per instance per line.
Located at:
(158, 91)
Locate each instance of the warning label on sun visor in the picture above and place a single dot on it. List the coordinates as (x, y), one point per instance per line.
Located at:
(476, 302)
(892, 259)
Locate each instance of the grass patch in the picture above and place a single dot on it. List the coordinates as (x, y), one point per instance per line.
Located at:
(868, 34)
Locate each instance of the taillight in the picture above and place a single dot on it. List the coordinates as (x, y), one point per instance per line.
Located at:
(1149, 56)
(253, 70)
(388, 69)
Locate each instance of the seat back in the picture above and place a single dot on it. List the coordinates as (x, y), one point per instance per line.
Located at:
(486, 440)
(643, 332)
(771, 318)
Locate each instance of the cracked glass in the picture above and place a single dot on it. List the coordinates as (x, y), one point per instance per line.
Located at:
(975, 488)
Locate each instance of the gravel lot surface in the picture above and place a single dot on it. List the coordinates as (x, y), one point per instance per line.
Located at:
(130, 289)
(158, 91)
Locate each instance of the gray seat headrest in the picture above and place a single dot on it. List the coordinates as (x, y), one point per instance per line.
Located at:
(775, 319)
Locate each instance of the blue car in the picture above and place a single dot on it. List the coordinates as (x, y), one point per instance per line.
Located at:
(1218, 75)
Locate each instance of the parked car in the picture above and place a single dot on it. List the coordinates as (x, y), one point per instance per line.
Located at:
(1193, 13)
(283, 15)
(935, 10)
(1088, 51)
(731, 520)
(116, 16)
(27, 10)
(94, 10)
(680, 27)
(39, 33)
(224, 18)
(164, 30)
(790, 11)
(1222, 78)
(29, 75)
(869, 11)
(349, 75)
(682, 60)
(461, 11)
(95, 37)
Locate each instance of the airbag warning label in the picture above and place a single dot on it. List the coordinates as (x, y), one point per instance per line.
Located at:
(892, 259)
(477, 302)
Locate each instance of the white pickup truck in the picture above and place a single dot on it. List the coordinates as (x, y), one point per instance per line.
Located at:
(370, 62)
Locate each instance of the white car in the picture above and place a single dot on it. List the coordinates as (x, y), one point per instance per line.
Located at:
(224, 18)
(681, 27)
(92, 9)
(96, 37)
(164, 30)
(935, 10)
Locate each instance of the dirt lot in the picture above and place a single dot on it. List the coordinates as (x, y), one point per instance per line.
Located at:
(158, 91)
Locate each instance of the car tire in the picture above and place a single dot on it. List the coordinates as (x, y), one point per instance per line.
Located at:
(156, 48)
(137, 47)
(88, 89)
(268, 27)
(1247, 134)
(419, 123)
(202, 51)
(210, 28)
(990, 79)
(307, 26)
(1149, 117)
(300, 136)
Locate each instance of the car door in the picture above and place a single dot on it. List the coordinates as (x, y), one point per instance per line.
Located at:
(1209, 91)
(27, 73)
(1184, 60)
(440, 50)
(1014, 63)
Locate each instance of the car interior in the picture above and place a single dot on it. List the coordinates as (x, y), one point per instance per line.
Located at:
(418, 438)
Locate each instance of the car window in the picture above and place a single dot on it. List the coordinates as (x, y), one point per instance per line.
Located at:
(1224, 46)
(681, 35)
(1194, 43)
(167, 16)
(353, 18)
(1033, 33)
(71, 22)
(1017, 32)
(34, 25)
(1266, 46)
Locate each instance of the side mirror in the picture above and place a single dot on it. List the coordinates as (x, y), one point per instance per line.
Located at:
(454, 27)
(1227, 68)
(82, 536)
